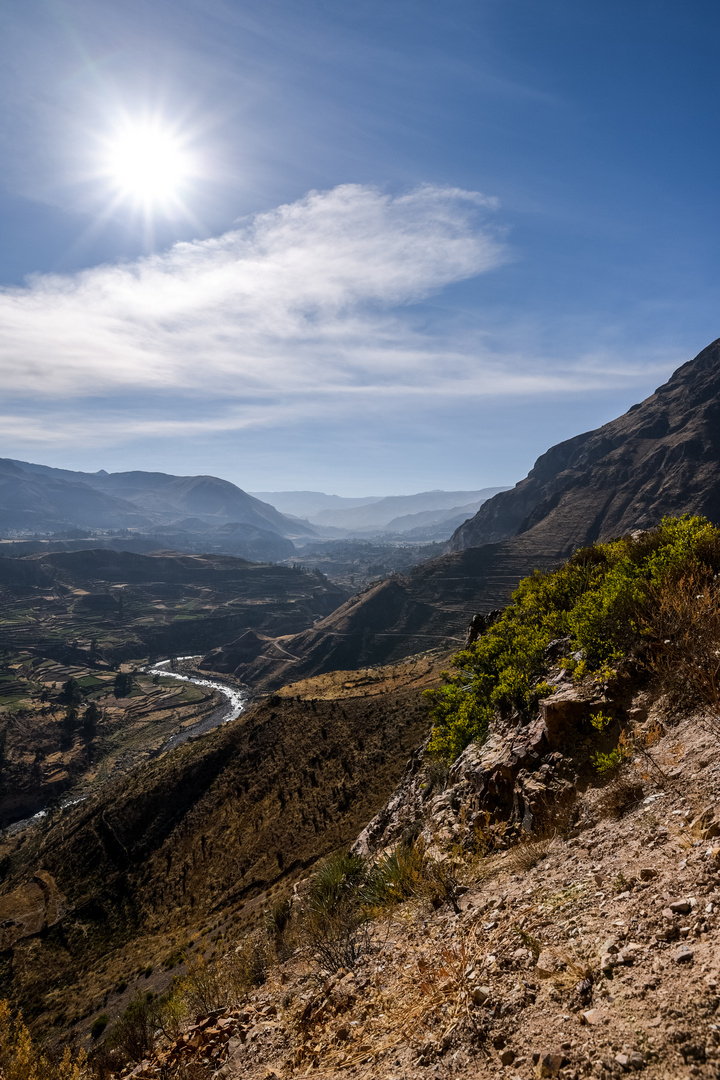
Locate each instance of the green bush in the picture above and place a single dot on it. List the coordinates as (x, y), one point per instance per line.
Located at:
(99, 1026)
(605, 600)
(134, 1032)
(339, 878)
(334, 917)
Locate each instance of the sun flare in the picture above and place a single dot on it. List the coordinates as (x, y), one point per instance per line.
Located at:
(147, 163)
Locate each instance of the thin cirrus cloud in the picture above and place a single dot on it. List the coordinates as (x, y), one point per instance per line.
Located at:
(305, 295)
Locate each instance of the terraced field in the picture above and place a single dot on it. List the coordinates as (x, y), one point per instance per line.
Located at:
(42, 757)
(87, 615)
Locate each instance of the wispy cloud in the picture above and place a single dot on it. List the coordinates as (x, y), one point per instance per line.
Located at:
(299, 316)
(302, 296)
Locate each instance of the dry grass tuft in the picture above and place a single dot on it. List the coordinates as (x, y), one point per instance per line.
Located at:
(528, 853)
(620, 796)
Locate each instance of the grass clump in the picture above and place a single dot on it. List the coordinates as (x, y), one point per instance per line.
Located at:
(609, 601)
(396, 877)
(334, 917)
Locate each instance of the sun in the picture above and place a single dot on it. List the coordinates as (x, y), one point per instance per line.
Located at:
(147, 163)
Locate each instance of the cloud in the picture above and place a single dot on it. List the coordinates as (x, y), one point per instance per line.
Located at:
(304, 296)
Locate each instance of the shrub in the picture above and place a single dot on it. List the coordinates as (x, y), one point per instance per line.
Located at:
(608, 600)
(22, 1059)
(277, 917)
(334, 918)
(99, 1025)
(687, 657)
(134, 1032)
(397, 876)
(338, 878)
(606, 764)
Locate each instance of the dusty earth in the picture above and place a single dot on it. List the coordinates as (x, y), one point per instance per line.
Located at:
(593, 950)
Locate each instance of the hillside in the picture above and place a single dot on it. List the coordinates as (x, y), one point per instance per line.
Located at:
(199, 837)
(544, 904)
(661, 457)
(591, 950)
(36, 502)
(133, 604)
(80, 615)
(39, 498)
(429, 608)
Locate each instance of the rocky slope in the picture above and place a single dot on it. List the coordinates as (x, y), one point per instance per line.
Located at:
(662, 457)
(587, 948)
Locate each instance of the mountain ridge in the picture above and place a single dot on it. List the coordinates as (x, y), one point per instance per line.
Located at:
(157, 498)
(660, 457)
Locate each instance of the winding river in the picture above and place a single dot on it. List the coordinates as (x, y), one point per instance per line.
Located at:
(235, 703)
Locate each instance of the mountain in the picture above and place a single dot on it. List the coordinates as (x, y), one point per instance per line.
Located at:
(661, 457)
(187, 513)
(36, 502)
(376, 516)
(308, 504)
(164, 497)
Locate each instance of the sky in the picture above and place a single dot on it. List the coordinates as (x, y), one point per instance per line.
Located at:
(367, 248)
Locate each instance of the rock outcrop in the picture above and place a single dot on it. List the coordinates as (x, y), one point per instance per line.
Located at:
(524, 777)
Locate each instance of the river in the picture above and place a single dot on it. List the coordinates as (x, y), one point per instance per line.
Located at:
(235, 704)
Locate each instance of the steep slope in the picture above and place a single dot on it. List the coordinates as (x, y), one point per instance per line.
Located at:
(429, 608)
(661, 457)
(198, 834)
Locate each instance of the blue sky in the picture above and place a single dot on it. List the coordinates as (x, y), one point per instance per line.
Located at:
(415, 244)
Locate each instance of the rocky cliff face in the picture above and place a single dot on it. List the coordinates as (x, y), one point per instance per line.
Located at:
(661, 457)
